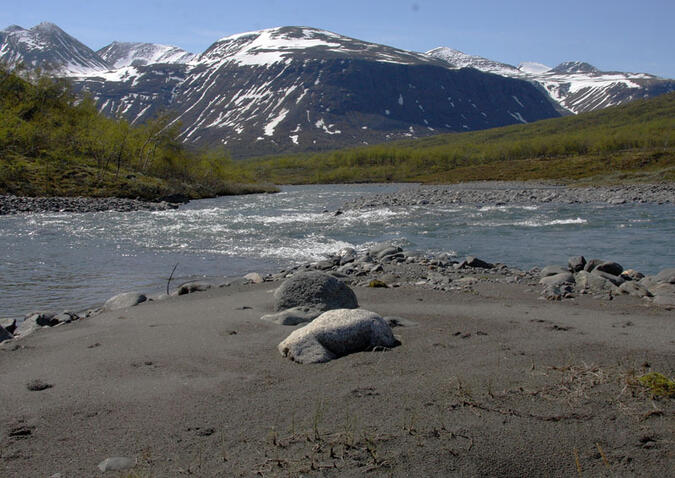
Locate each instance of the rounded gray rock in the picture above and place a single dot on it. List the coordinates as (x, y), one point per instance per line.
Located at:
(557, 279)
(315, 290)
(337, 333)
(576, 263)
(122, 301)
(610, 268)
(666, 275)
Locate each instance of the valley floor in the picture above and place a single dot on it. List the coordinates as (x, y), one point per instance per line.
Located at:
(491, 381)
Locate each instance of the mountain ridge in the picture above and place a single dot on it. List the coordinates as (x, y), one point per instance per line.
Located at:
(298, 88)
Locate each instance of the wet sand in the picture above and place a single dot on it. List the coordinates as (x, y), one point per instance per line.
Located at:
(492, 381)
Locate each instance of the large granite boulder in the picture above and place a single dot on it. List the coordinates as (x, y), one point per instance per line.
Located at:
(315, 290)
(337, 333)
(122, 301)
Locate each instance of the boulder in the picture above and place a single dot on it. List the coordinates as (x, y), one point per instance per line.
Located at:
(614, 279)
(634, 289)
(610, 267)
(194, 286)
(337, 333)
(666, 275)
(586, 280)
(553, 270)
(476, 262)
(5, 334)
(293, 316)
(122, 301)
(576, 263)
(592, 264)
(649, 281)
(557, 279)
(315, 290)
(254, 277)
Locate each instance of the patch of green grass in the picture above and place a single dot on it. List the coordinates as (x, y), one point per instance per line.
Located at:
(633, 142)
(658, 384)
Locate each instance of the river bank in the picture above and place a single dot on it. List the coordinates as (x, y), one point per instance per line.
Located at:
(490, 379)
(499, 193)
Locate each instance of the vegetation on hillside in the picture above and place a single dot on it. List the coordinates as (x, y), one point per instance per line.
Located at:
(635, 141)
(55, 144)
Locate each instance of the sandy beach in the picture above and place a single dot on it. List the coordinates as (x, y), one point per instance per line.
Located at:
(491, 381)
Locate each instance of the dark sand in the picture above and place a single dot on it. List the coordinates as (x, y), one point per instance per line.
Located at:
(493, 382)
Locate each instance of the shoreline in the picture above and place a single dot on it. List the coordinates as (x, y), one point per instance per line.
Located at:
(11, 205)
(475, 192)
(388, 266)
(489, 379)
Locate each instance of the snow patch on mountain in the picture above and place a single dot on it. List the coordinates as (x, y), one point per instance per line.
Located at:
(576, 86)
(533, 68)
(122, 54)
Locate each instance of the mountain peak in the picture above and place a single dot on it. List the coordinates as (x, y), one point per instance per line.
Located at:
(13, 29)
(48, 47)
(283, 44)
(575, 67)
(47, 27)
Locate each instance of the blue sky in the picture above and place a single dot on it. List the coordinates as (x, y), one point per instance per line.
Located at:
(612, 35)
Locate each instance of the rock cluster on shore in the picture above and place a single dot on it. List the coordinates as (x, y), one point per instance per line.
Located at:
(387, 265)
(21, 204)
(517, 193)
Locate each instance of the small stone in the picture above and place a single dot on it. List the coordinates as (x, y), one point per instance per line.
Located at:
(472, 261)
(254, 278)
(38, 385)
(192, 286)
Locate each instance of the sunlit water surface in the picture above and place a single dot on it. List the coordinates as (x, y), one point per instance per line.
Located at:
(73, 261)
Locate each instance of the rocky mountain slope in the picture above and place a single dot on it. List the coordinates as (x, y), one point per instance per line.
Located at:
(293, 89)
(122, 54)
(299, 89)
(49, 48)
(576, 86)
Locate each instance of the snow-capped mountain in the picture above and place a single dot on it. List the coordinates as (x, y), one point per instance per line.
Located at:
(575, 86)
(48, 47)
(300, 88)
(121, 54)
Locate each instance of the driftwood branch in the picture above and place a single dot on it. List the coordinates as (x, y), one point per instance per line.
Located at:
(170, 277)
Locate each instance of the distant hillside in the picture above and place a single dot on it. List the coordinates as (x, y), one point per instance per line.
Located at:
(634, 141)
(55, 144)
